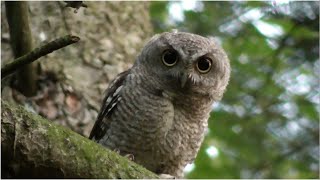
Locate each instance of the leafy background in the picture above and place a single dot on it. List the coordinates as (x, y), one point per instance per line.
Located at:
(267, 125)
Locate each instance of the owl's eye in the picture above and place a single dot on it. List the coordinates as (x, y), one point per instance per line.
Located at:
(204, 64)
(169, 57)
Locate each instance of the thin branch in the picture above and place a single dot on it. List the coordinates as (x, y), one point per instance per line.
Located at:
(76, 5)
(37, 53)
(64, 18)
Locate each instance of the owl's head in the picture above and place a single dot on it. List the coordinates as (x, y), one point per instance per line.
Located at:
(186, 63)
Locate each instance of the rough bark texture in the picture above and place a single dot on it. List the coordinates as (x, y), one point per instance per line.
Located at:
(72, 81)
(32, 147)
(21, 43)
(70, 89)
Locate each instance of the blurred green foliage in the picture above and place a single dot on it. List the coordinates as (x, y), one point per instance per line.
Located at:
(267, 125)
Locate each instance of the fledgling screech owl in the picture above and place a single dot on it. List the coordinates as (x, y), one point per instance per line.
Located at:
(158, 109)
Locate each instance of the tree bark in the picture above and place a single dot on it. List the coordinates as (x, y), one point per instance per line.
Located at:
(33, 147)
(112, 34)
(21, 43)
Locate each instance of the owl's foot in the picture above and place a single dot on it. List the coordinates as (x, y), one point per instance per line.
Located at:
(117, 151)
(129, 156)
(166, 176)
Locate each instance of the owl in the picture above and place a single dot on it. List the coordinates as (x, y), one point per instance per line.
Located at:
(158, 109)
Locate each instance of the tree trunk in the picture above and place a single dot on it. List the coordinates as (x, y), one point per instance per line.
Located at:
(33, 147)
(21, 43)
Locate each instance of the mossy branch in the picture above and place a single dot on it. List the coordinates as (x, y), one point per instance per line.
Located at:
(37, 53)
(33, 147)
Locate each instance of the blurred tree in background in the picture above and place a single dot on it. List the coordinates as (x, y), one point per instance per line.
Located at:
(267, 125)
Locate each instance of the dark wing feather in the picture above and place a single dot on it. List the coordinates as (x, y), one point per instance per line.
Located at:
(109, 103)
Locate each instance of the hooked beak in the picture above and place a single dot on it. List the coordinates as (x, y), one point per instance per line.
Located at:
(183, 79)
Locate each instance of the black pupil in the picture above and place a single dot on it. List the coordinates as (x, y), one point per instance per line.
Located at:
(204, 64)
(170, 57)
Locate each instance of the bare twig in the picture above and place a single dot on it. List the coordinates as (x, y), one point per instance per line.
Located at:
(37, 53)
(76, 5)
(63, 14)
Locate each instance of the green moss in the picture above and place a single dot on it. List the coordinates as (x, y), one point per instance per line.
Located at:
(78, 156)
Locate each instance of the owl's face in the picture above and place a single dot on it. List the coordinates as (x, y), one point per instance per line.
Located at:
(188, 63)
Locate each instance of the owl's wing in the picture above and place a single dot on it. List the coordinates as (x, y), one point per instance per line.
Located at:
(109, 102)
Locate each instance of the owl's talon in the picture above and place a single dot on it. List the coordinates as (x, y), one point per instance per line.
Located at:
(166, 176)
(129, 156)
(117, 151)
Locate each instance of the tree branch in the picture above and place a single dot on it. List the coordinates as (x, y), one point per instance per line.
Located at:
(33, 147)
(37, 53)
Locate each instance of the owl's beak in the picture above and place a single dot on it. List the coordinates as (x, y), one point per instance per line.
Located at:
(183, 79)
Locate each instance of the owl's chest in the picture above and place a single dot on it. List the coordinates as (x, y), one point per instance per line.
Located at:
(155, 129)
(157, 114)
(186, 134)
